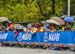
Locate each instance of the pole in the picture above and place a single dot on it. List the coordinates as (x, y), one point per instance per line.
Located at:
(68, 7)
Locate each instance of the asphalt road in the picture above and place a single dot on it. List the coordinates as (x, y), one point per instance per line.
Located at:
(13, 50)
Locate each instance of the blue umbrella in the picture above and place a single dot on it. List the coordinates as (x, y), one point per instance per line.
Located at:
(69, 19)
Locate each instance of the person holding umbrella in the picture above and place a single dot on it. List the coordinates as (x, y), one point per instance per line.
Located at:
(10, 26)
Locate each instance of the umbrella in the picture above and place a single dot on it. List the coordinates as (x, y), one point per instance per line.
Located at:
(2, 19)
(18, 26)
(53, 21)
(58, 19)
(43, 22)
(69, 19)
(63, 16)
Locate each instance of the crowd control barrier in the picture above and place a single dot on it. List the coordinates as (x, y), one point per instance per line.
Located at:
(58, 37)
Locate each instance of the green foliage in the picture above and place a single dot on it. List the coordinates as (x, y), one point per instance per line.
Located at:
(31, 11)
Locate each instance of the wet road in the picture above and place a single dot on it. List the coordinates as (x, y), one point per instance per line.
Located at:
(13, 50)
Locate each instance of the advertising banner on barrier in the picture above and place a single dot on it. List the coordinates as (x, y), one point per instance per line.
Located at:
(3, 36)
(45, 37)
(63, 37)
(7, 36)
(24, 37)
(54, 37)
(58, 37)
(74, 37)
(38, 37)
(11, 36)
(70, 37)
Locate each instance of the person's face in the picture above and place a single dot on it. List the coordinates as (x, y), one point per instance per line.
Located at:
(52, 27)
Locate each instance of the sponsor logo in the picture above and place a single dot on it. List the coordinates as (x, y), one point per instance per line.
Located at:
(54, 37)
(3, 36)
(25, 36)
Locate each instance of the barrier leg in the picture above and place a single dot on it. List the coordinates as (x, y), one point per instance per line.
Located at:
(10, 44)
(72, 48)
(45, 46)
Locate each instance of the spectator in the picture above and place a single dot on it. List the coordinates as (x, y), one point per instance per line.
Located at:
(11, 26)
(28, 30)
(24, 29)
(34, 29)
(3, 28)
(68, 26)
(46, 25)
(52, 28)
(41, 28)
(63, 28)
(29, 26)
(73, 26)
(37, 25)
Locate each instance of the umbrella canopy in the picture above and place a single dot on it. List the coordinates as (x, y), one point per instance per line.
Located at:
(53, 22)
(2, 19)
(43, 22)
(58, 19)
(18, 26)
(69, 19)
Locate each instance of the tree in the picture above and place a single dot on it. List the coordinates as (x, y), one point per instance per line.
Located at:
(72, 7)
(34, 10)
(53, 6)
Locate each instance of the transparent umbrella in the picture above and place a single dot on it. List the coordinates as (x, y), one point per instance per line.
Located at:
(18, 26)
(2, 19)
(53, 22)
(58, 19)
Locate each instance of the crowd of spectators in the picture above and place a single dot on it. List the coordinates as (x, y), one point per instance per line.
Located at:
(38, 27)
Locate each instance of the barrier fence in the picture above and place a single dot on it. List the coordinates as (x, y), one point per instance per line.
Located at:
(58, 37)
